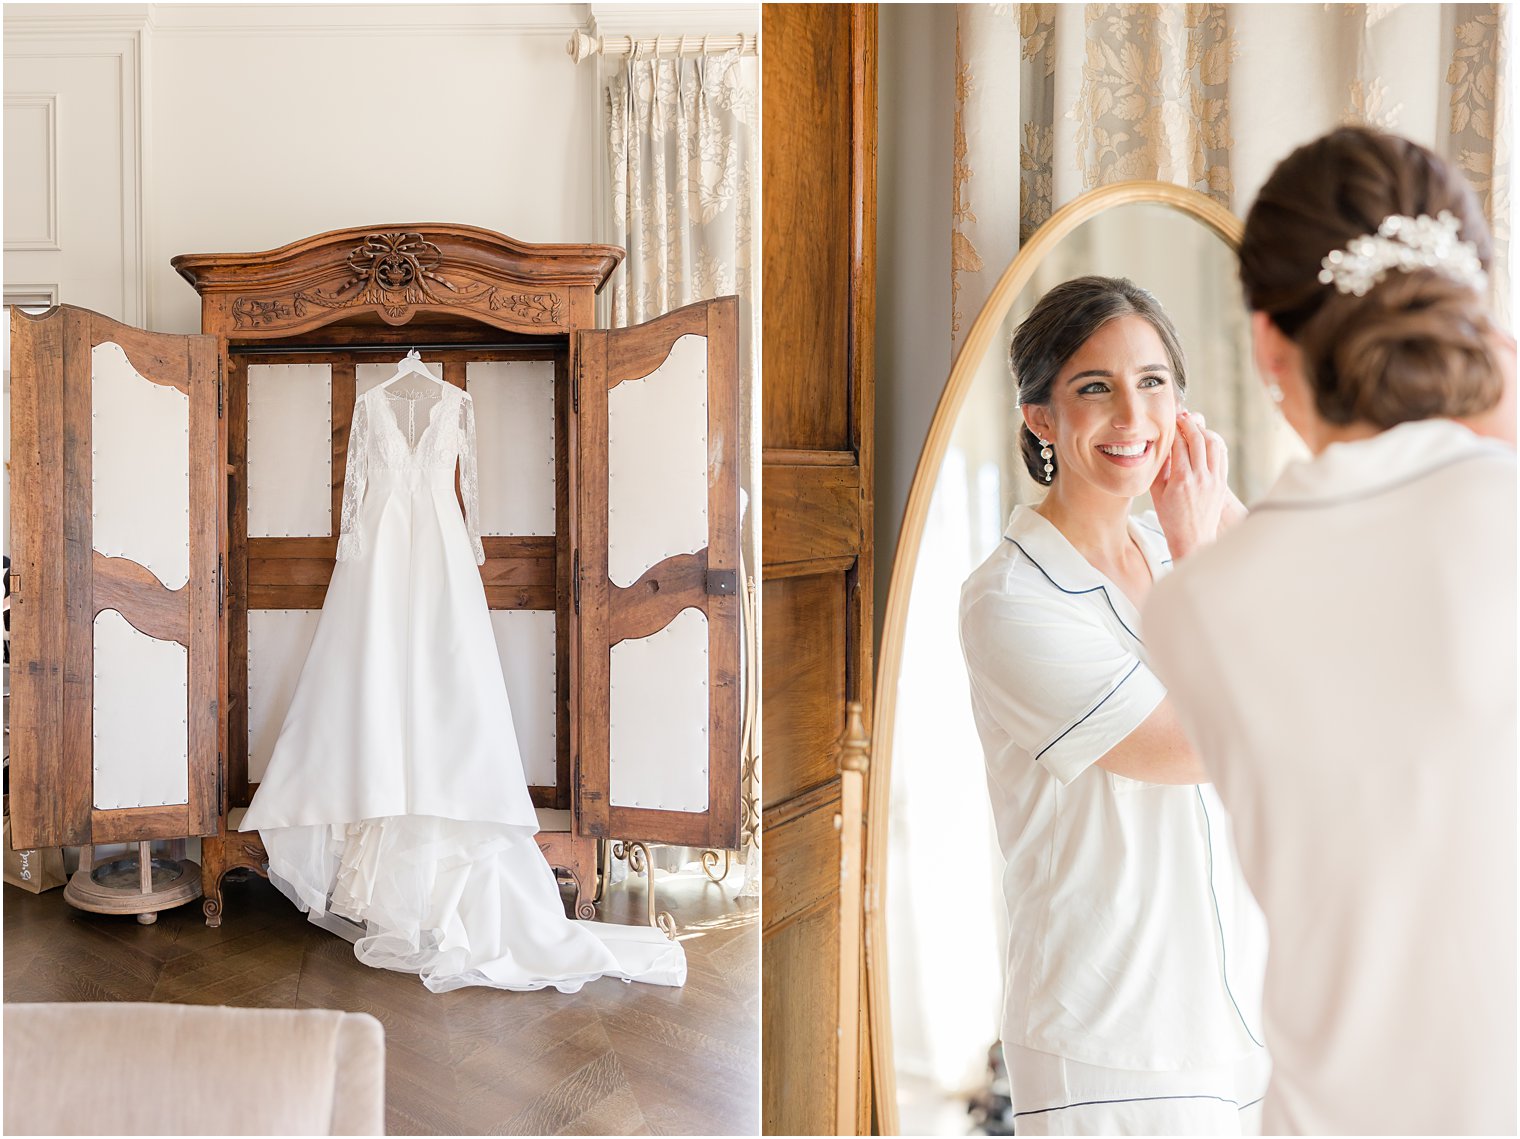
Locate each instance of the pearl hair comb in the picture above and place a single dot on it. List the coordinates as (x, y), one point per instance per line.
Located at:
(1406, 244)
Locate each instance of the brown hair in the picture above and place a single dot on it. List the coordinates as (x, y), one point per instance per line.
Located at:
(1413, 347)
(1061, 322)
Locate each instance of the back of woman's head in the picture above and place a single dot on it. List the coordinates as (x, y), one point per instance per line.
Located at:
(1413, 346)
(1062, 321)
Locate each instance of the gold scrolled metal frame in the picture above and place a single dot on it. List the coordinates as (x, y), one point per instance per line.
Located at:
(905, 563)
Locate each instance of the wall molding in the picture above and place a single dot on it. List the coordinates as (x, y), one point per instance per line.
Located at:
(30, 295)
(120, 34)
(48, 241)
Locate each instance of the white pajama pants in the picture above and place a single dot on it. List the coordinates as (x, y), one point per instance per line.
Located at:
(1056, 1096)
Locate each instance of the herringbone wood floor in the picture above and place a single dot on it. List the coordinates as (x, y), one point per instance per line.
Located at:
(613, 1059)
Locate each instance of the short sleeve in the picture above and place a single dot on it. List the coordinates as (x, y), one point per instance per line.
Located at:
(1062, 686)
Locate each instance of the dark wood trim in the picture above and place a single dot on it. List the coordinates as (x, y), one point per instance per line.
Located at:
(135, 592)
(236, 789)
(130, 824)
(782, 456)
(633, 358)
(39, 813)
(810, 568)
(811, 512)
(344, 380)
(862, 371)
(792, 833)
(611, 614)
(76, 776)
(394, 274)
(560, 795)
(191, 365)
(724, 456)
(591, 807)
(664, 590)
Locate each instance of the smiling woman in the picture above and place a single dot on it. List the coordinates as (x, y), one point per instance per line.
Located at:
(1131, 931)
(1099, 370)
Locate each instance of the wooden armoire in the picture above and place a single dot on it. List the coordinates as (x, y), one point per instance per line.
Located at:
(177, 503)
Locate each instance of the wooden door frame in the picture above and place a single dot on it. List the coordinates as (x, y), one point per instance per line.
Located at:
(61, 582)
(816, 519)
(610, 614)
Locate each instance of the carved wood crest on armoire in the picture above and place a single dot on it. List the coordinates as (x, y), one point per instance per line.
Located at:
(177, 508)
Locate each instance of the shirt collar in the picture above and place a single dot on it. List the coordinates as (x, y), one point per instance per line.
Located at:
(1367, 466)
(1070, 572)
(1038, 537)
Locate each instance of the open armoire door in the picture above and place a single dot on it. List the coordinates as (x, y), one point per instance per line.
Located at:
(118, 522)
(657, 579)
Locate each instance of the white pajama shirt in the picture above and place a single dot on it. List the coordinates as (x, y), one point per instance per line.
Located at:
(1134, 944)
(1345, 661)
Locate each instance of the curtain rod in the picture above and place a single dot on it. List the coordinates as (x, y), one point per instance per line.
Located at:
(583, 46)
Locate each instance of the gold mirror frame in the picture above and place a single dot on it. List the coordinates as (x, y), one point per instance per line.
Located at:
(905, 563)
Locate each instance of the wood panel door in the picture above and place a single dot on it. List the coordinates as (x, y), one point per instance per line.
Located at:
(817, 409)
(118, 473)
(656, 578)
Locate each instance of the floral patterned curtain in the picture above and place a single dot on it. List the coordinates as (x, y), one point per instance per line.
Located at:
(1209, 96)
(682, 134)
(683, 154)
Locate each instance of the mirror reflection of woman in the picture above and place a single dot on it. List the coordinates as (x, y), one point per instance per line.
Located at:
(1134, 961)
(1346, 656)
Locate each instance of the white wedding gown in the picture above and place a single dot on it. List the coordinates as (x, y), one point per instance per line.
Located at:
(395, 797)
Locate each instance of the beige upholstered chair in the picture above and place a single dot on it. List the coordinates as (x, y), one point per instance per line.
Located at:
(161, 1069)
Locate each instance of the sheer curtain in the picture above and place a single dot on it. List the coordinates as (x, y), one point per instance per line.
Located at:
(683, 159)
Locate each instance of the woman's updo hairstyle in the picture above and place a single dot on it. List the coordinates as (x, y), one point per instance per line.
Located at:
(1413, 347)
(1062, 321)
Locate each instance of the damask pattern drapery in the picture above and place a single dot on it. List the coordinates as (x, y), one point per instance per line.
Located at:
(1208, 96)
(683, 160)
(682, 133)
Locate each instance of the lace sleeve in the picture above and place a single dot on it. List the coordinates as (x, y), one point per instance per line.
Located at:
(469, 480)
(350, 538)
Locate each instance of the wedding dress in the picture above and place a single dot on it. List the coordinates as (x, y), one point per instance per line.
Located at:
(395, 796)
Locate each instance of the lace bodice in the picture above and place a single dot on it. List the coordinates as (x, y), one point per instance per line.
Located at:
(401, 433)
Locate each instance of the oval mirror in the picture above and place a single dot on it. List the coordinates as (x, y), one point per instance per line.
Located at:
(935, 907)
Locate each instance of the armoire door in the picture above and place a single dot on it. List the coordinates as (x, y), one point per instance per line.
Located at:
(819, 187)
(656, 578)
(118, 473)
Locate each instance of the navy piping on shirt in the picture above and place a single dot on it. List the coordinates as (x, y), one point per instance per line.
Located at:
(1224, 955)
(1090, 711)
(1103, 589)
(1138, 1099)
(1208, 828)
(1360, 495)
(1159, 533)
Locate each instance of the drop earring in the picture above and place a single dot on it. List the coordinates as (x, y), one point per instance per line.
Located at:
(1045, 454)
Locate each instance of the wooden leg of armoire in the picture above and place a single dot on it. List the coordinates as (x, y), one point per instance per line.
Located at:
(213, 866)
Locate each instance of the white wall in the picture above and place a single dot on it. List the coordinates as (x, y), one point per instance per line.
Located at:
(266, 127)
(916, 115)
(257, 125)
(204, 128)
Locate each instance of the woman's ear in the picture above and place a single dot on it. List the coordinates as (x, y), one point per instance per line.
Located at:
(1037, 419)
(1272, 351)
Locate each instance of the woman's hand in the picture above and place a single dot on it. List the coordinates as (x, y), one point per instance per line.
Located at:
(1190, 493)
